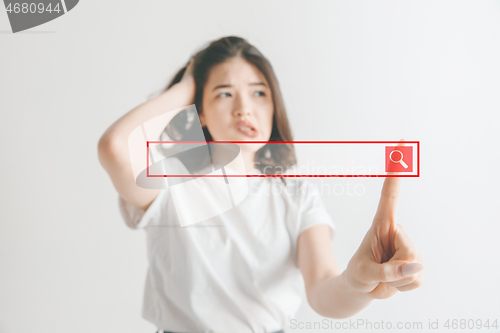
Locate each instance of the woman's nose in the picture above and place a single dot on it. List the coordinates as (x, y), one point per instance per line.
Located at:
(242, 108)
(242, 113)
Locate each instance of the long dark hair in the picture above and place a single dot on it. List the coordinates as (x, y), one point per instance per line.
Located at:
(272, 158)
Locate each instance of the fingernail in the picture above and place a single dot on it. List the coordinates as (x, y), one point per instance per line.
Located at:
(412, 268)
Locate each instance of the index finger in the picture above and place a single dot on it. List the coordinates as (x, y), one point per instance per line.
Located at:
(389, 196)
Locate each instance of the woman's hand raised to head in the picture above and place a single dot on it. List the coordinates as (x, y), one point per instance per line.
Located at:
(186, 86)
(188, 77)
(122, 148)
(387, 261)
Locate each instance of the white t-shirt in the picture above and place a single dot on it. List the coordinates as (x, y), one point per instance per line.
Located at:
(235, 272)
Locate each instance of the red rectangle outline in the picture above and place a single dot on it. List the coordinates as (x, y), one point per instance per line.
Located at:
(286, 176)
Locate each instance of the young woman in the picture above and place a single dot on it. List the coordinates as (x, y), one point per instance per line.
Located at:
(244, 270)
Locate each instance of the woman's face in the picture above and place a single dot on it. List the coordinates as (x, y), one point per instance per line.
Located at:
(237, 104)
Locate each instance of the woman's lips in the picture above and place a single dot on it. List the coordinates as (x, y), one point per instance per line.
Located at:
(246, 128)
(248, 132)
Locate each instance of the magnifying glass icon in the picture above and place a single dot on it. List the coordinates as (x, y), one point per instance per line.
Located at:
(400, 161)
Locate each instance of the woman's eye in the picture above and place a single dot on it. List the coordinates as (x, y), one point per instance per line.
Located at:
(225, 95)
(259, 93)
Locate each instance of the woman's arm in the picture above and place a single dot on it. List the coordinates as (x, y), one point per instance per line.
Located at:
(122, 147)
(326, 288)
(386, 262)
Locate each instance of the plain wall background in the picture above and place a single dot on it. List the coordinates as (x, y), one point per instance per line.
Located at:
(349, 70)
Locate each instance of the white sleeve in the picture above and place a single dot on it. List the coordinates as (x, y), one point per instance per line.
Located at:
(313, 210)
(136, 218)
(310, 211)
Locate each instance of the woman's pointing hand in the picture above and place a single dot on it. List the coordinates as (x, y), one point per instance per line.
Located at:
(387, 261)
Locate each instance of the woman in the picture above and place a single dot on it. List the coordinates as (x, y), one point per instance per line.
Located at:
(245, 269)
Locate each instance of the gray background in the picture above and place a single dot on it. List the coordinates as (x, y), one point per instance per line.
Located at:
(349, 70)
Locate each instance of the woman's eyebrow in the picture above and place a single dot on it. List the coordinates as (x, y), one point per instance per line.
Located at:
(221, 86)
(229, 85)
(258, 84)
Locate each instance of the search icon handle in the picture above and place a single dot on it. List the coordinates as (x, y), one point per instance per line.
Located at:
(400, 160)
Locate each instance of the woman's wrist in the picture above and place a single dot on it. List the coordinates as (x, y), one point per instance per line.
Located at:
(186, 88)
(351, 289)
(180, 94)
(334, 297)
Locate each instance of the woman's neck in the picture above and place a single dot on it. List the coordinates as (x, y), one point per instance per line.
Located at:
(248, 158)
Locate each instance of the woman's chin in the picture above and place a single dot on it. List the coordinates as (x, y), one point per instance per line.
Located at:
(246, 147)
